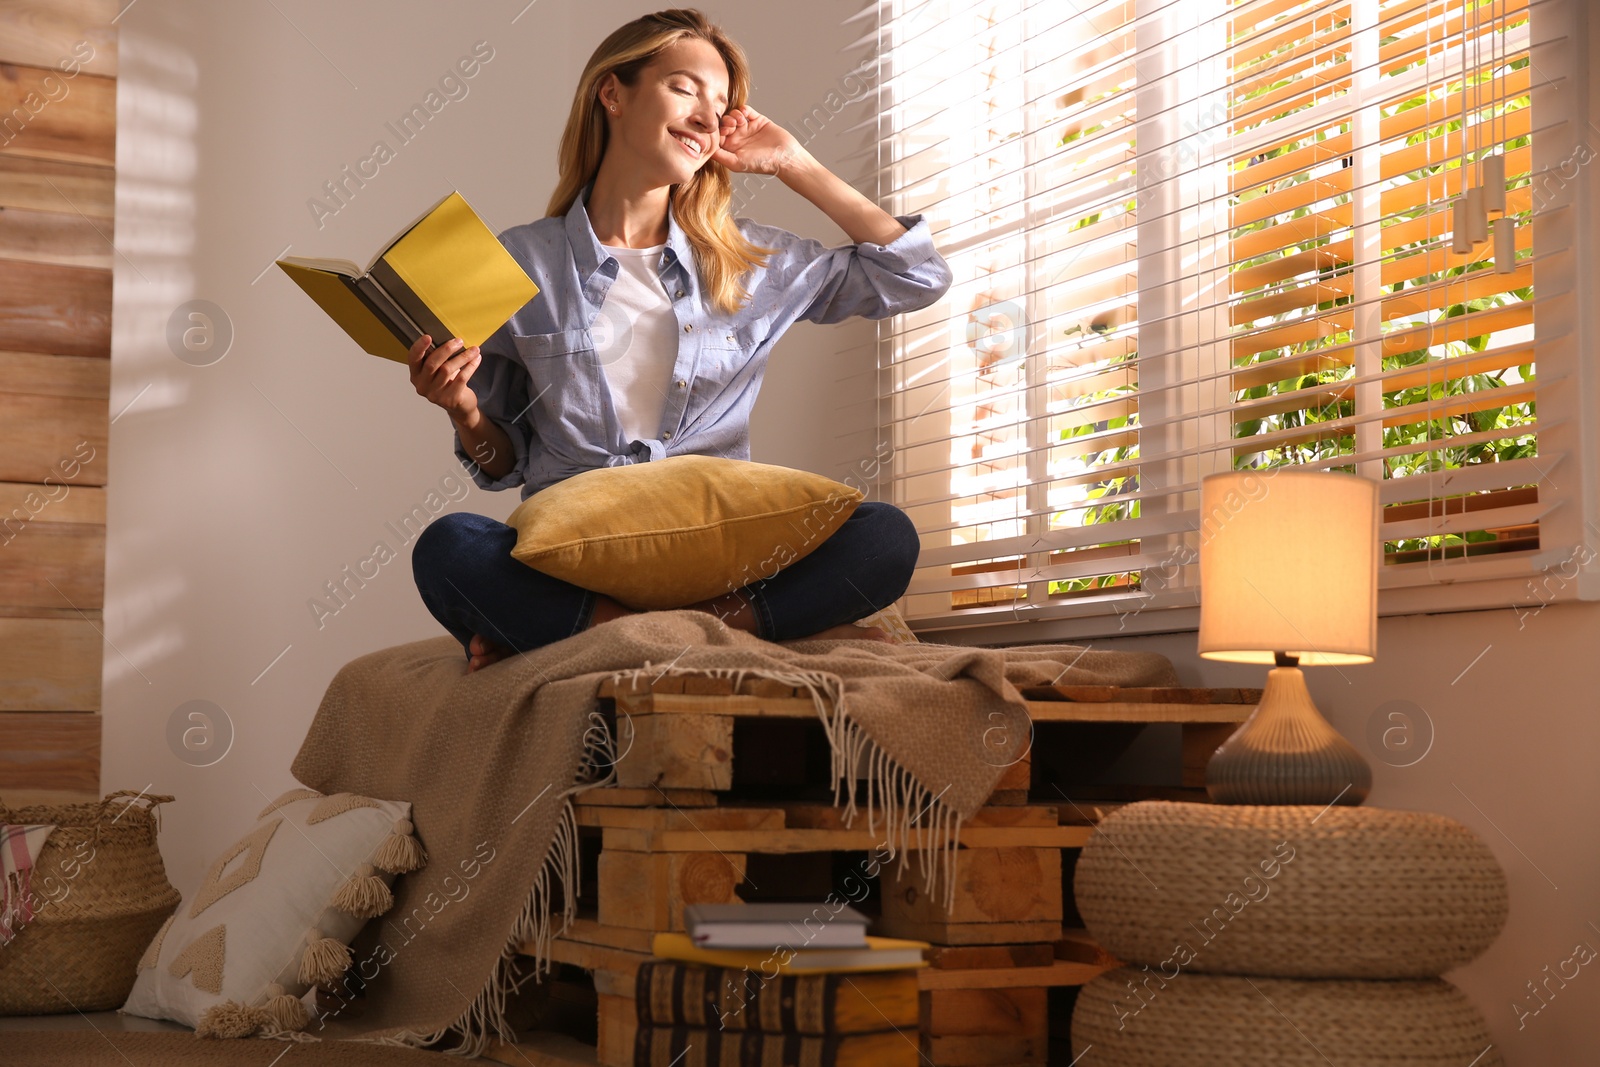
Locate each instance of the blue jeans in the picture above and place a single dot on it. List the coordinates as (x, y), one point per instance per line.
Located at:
(472, 584)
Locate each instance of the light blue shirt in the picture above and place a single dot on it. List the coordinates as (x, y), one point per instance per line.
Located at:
(541, 383)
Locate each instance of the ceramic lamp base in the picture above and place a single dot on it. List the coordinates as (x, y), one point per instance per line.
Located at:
(1287, 753)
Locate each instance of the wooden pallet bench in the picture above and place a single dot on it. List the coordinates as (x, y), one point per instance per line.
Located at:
(712, 800)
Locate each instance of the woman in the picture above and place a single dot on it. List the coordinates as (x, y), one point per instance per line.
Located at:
(649, 338)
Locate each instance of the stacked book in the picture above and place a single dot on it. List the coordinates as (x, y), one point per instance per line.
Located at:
(778, 983)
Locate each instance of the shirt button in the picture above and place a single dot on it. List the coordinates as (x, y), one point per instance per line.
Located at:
(730, 337)
(666, 435)
(680, 292)
(688, 327)
(682, 383)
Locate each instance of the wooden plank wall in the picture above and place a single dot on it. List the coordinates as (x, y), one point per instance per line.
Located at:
(58, 67)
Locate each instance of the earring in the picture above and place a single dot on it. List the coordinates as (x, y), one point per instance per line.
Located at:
(613, 108)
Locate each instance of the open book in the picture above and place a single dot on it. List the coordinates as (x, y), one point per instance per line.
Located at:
(445, 275)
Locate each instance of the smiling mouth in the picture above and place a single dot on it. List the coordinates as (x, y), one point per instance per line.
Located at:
(693, 152)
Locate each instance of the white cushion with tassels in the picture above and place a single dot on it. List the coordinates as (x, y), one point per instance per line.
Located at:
(275, 915)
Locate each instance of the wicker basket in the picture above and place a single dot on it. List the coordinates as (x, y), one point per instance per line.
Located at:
(101, 893)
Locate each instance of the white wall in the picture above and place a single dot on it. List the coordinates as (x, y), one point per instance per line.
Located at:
(238, 489)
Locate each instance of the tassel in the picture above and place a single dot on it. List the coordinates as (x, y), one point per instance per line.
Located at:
(400, 851)
(325, 960)
(363, 894)
(286, 1011)
(230, 1019)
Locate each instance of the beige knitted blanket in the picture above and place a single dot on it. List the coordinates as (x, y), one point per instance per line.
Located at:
(490, 760)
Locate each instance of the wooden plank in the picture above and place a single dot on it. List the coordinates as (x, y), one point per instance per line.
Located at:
(611, 796)
(1065, 711)
(1075, 944)
(49, 665)
(973, 1027)
(705, 685)
(990, 957)
(1056, 973)
(685, 752)
(53, 237)
(1106, 694)
(675, 819)
(54, 565)
(614, 983)
(27, 798)
(46, 185)
(62, 35)
(24, 503)
(592, 957)
(592, 932)
(619, 1022)
(49, 750)
(996, 885)
(9, 611)
(948, 933)
(45, 115)
(649, 891)
(791, 840)
(48, 308)
(62, 439)
(1200, 742)
(814, 816)
(771, 688)
(37, 374)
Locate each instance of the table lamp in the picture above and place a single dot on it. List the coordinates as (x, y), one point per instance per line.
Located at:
(1288, 576)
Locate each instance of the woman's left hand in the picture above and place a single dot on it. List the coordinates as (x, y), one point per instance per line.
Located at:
(754, 144)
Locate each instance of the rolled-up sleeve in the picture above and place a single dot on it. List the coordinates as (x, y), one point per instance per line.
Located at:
(501, 383)
(868, 279)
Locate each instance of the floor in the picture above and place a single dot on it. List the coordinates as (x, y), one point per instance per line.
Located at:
(535, 1049)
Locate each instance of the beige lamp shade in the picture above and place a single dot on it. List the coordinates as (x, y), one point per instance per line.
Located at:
(1289, 563)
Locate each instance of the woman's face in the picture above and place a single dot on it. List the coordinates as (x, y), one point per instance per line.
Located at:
(680, 96)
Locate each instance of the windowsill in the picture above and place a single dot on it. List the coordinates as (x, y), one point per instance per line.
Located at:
(1004, 627)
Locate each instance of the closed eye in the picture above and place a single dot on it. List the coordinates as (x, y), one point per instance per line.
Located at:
(686, 92)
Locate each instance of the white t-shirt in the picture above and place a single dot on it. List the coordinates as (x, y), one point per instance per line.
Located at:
(636, 341)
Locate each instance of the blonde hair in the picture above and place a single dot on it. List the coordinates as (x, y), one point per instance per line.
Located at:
(722, 253)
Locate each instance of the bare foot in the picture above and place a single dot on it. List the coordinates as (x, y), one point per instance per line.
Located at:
(484, 652)
(849, 631)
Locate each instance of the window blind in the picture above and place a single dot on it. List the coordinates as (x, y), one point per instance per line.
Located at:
(1191, 237)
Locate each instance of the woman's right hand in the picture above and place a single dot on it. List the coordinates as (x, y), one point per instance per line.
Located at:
(441, 375)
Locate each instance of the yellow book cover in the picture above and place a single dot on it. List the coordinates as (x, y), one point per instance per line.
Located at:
(445, 275)
(881, 954)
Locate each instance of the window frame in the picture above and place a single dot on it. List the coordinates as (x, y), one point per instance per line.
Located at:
(1565, 43)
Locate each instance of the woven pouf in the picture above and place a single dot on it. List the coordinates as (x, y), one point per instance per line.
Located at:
(1131, 1018)
(1292, 891)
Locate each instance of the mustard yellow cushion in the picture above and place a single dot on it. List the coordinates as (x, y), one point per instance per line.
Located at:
(674, 531)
